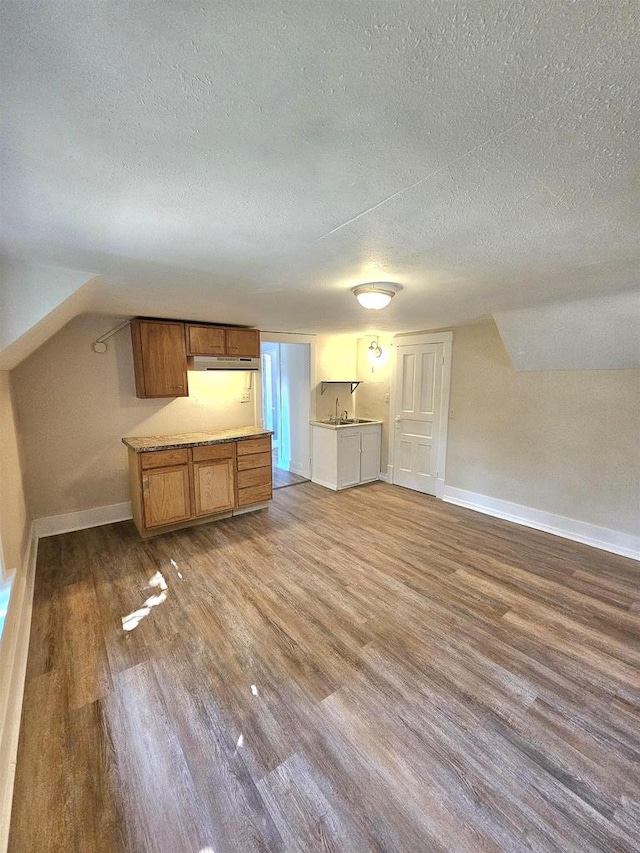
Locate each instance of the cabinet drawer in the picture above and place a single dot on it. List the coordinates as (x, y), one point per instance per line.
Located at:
(255, 460)
(254, 445)
(162, 458)
(254, 477)
(254, 494)
(214, 451)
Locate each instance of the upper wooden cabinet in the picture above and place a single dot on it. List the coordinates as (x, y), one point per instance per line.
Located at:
(161, 348)
(215, 340)
(205, 340)
(159, 358)
(244, 342)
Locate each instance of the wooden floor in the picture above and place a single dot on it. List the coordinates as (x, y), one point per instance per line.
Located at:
(368, 670)
(282, 478)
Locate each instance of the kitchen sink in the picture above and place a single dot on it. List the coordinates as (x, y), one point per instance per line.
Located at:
(347, 421)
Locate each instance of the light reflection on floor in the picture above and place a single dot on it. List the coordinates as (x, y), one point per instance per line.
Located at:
(130, 622)
(158, 582)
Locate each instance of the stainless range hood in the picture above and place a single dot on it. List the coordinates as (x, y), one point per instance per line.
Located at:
(223, 362)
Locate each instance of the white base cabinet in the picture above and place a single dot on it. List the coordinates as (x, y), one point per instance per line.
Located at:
(342, 457)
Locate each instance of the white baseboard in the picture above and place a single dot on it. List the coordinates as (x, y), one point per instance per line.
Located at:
(327, 485)
(14, 649)
(604, 538)
(53, 524)
(299, 468)
(383, 477)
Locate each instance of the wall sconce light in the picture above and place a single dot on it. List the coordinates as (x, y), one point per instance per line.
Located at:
(375, 350)
(375, 294)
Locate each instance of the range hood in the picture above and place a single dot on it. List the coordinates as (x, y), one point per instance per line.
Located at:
(223, 362)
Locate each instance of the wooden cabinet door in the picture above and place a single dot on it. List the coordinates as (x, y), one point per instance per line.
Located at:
(213, 489)
(244, 342)
(160, 358)
(165, 495)
(205, 340)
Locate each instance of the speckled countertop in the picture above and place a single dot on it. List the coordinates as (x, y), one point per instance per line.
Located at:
(141, 443)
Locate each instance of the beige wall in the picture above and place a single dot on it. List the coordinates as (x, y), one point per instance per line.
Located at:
(335, 361)
(566, 442)
(13, 514)
(372, 396)
(75, 405)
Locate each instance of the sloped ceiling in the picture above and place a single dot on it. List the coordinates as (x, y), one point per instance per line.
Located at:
(597, 333)
(249, 162)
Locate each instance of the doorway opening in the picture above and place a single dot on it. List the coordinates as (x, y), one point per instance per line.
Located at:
(286, 409)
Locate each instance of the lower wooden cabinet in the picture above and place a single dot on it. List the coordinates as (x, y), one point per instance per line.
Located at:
(213, 478)
(173, 488)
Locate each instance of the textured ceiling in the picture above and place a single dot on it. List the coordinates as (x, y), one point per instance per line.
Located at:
(248, 162)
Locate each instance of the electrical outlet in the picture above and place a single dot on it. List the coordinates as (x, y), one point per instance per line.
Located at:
(245, 397)
(452, 414)
(386, 398)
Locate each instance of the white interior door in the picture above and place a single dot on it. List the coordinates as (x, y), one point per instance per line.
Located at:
(419, 425)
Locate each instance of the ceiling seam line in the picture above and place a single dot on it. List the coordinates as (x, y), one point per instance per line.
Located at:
(439, 169)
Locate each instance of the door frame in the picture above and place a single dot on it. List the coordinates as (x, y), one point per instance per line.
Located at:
(416, 339)
(289, 338)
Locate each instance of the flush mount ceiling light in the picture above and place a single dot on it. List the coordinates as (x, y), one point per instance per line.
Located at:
(375, 294)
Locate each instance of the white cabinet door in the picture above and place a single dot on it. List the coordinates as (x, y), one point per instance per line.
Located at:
(349, 458)
(369, 454)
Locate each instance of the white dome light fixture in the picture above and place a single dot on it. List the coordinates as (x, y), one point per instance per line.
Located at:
(375, 294)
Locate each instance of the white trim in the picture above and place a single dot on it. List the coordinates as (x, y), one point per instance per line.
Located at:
(325, 483)
(384, 477)
(14, 649)
(289, 338)
(414, 339)
(298, 468)
(53, 524)
(604, 538)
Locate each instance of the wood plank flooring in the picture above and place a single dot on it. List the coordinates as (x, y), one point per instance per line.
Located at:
(367, 670)
(281, 477)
